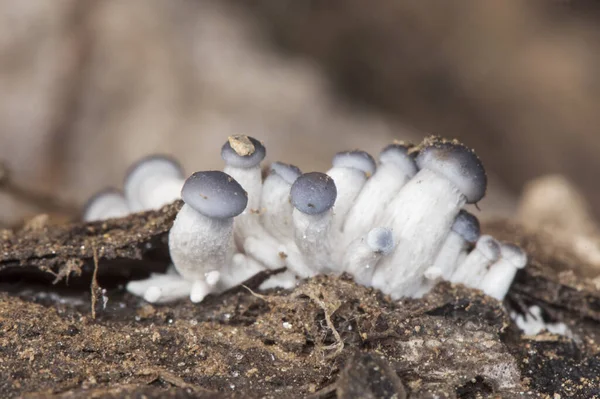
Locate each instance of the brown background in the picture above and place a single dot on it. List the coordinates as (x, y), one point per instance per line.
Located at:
(89, 87)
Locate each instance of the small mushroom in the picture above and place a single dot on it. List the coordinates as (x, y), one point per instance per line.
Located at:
(201, 241)
(153, 182)
(472, 270)
(349, 172)
(422, 213)
(313, 195)
(396, 167)
(500, 275)
(106, 204)
(363, 254)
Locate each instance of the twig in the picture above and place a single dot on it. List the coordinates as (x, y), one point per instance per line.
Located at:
(94, 284)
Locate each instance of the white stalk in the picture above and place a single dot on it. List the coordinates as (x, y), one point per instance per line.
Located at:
(275, 255)
(312, 234)
(446, 260)
(161, 288)
(200, 245)
(376, 194)
(276, 209)
(363, 254)
(445, 263)
(501, 274)
(239, 270)
(420, 216)
(476, 264)
(349, 182)
(248, 223)
(286, 280)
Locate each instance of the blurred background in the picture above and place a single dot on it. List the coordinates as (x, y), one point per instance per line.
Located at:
(88, 87)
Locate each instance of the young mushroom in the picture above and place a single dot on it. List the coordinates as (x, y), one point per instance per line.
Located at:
(313, 195)
(106, 204)
(422, 213)
(153, 182)
(201, 239)
(500, 275)
(472, 270)
(363, 254)
(396, 167)
(350, 172)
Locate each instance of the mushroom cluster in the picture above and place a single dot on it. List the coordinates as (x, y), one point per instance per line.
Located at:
(397, 225)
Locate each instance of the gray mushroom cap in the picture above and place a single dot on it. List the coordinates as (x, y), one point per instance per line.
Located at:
(214, 194)
(151, 166)
(489, 247)
(243, 152)
(356, 159)
(289, 173)
(381, 240)
(313, 193)
(467, 226)
(398, 154)
(514, 254)
(456, 163)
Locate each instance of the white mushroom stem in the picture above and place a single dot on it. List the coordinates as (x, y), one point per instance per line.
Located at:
(420, 216)
(161, 288)
(240, 269)
(501, 274)
(445, 263)
(106, 205)
(446, 260)
(275, 255)
(312, 234)
(372, 200)
(248, 223)
(276, 209)
(363, 254)
(200, 246)
(349, 182)
(285, 280)
(472, 270)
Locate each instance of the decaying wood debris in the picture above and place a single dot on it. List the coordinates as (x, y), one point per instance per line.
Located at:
(327, 338)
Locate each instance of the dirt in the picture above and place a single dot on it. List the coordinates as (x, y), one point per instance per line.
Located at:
(328, 338)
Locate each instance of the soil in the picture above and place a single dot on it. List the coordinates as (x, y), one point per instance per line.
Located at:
(69, 330)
